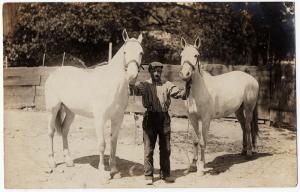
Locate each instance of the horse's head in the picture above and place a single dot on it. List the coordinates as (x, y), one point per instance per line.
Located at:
(133, 53)
(189, 59)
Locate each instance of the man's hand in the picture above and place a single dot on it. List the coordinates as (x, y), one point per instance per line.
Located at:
(138, 88)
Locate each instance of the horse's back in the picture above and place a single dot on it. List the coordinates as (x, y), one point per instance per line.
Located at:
(66, 85)
(235, 79)
(82, 90)
(229, 90)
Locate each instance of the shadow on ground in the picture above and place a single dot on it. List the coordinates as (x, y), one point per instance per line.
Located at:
(222, 163)
(129, 168)
(126, 168)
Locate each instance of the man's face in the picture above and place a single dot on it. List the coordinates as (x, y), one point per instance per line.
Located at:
(155, 73)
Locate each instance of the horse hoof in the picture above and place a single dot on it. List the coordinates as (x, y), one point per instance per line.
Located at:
(70, 163)
(249, 153)
(254, 152)
(200, 173)
(249, 156)
(192, 169)
(49, 170)
(104, 180)
(244, 153)
(52, 164)
(187, 171)
(116, 175)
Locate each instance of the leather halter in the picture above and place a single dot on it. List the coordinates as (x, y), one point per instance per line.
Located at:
(193, 66)
(189, 82)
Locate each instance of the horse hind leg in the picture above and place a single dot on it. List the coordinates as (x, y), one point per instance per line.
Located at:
(254, 128)
(69, 117)
(52, 126)
(241, 118)
(99, 126)
(250, 115)
(249, 111)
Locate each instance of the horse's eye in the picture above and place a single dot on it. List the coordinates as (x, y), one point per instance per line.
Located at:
(196, 56)
(124, 52)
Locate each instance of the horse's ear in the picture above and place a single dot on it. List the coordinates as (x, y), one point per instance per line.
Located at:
(182, 42)
(140, 38)
(125, 35)
(197, 42)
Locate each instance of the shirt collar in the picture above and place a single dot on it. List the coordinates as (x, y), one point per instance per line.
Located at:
(158, 83)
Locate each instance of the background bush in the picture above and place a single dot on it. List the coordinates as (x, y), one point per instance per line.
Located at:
(231, 33)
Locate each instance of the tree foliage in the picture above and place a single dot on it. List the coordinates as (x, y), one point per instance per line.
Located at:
(231, 33)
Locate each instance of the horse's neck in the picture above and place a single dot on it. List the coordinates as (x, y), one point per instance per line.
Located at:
(116, 67)
(116, 64)
(117, 61)
(199, 85)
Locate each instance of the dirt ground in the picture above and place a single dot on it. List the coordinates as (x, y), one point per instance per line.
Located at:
(26, 144)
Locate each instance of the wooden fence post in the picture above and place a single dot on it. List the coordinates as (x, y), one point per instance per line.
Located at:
(109, 51)
(62, 64)
(6, 62)
(44, 59)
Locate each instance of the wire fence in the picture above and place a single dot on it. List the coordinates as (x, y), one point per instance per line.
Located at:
(62, 59)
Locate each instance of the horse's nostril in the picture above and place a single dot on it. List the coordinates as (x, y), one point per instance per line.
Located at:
(188, 74)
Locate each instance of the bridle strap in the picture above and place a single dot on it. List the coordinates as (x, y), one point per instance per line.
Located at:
(133, 60)
(198, 63)
(189, 63)
(193, 66)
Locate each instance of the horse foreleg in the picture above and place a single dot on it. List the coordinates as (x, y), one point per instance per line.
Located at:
(99, 125)
(195, 125)
(203, 142)
(116, 123)
(65, 130)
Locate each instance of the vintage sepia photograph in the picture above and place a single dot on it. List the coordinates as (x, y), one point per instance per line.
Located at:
(149, 95)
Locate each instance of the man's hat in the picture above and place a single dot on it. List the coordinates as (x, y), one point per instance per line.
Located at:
(155, 64)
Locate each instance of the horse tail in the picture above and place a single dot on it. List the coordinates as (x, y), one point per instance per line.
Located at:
(59, 121)
(254, 126)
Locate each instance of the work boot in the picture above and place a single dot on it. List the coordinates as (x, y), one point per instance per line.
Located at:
(168, 179)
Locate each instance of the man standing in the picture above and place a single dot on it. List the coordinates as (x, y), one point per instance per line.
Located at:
(156, 98)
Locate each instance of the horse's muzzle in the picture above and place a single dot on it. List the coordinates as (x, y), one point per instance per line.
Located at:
(185, 77)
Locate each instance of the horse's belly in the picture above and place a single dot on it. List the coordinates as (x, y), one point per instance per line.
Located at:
(82, 112)
(227, 108)
(80, 108)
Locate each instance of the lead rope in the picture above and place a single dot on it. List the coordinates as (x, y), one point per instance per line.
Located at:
(133, 114)
(134, 101)
(135, 117)
(187, 136)
(188, 89)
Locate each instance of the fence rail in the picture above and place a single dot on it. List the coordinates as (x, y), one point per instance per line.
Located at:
(24, 87)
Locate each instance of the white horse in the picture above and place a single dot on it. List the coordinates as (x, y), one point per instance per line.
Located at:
(218, 96)
(101, 93)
